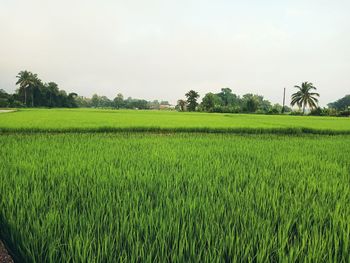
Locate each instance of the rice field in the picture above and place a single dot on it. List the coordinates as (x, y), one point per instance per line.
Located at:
(97, 120)
(178, 197)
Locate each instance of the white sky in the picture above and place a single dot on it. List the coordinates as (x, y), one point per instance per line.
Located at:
(157, 49)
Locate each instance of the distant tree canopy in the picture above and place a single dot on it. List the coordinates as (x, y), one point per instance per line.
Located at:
(33, 92)
(118, 102)
(226, 101)
(341, 104)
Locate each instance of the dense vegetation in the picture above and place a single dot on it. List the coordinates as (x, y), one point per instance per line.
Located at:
(33, 92)
(97, 120)
(228, 102)
(204, 198)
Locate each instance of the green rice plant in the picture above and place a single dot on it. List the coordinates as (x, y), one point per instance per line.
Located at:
(94, 120)
(142, 197)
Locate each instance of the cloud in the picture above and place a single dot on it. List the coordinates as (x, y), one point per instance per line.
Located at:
(160, 49)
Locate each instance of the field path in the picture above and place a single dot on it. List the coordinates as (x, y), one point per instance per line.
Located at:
(4, 256)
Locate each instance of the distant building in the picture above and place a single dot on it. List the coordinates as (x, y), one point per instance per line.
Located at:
(166, 107)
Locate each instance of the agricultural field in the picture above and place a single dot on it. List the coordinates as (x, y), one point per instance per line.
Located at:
(71, 194)
(175, 197)
(95, 120)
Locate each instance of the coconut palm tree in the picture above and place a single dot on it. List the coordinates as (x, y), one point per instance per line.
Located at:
(304, 97)
(35, 86)
(25, 80)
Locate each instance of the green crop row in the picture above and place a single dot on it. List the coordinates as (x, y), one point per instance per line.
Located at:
(175, 197)
(285, 131)
(94, 120)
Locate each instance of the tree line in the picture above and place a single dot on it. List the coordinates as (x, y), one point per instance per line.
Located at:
(227, 102)
(33, 92)
(119, 102)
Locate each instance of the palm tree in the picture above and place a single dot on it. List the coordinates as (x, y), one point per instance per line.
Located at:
(36, 84)
(303, 97)
(25, 80)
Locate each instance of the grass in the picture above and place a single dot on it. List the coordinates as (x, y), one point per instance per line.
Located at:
(93, 120)
(173, 197)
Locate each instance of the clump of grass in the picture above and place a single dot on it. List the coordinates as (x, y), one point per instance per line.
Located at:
(179, 198)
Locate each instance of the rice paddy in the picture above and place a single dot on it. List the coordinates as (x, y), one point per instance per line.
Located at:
(97, 120)
(178, 197)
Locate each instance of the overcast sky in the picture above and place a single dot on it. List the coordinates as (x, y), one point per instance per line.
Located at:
(157, 49)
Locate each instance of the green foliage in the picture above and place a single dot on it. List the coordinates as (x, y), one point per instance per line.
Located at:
(250, 103)
(297, 113)
(9, 100)
(210, 102)
(131, 103)
(304, 97)
(341, 104)
(227, 102)
(118, 101)
(33, 92)
(228, 98)
(175, 198)
(345, 113)
(192, 97)
(181, 105)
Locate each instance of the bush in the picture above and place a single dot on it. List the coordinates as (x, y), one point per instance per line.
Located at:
(225, 109)
(3, 103)
(317, 112)
(297, 113)
(273, 111)
(345, 113)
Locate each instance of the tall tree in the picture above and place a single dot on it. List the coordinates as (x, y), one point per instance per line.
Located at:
(52, 89)
(181, 104)
(305, 97)
(25, 81)
(35, 87)
(210, 101)
(228, 98)
(250, 102)
(95, 100)
(71, 100)
(118, 102)
(192, 97)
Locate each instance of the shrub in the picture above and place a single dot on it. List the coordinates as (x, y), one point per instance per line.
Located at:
(273, 111)
(345, 113)
(317, 112)
(296, 113)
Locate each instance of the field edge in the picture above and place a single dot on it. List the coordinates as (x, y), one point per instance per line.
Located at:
(107, 129)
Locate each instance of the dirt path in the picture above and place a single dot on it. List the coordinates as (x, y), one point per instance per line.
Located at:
(5, 111)
(4, 256)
